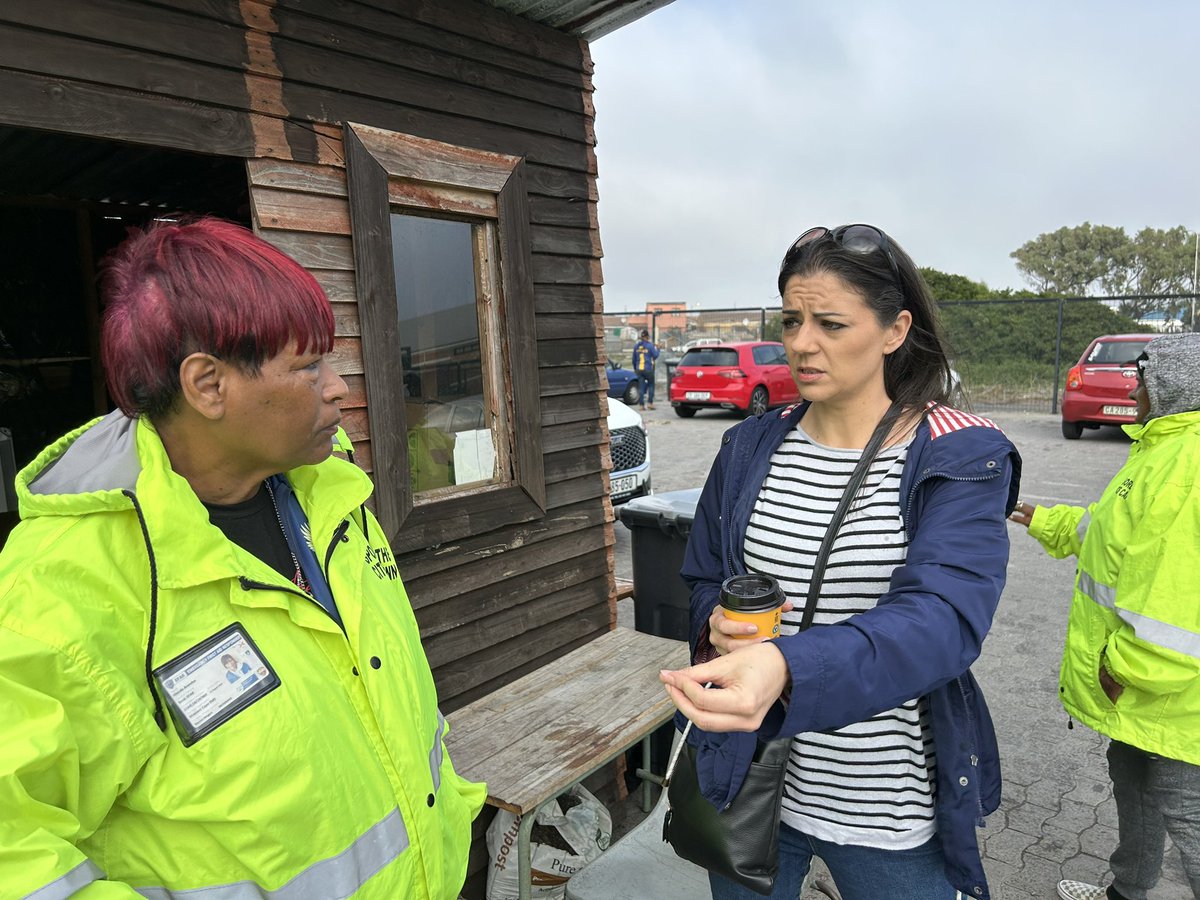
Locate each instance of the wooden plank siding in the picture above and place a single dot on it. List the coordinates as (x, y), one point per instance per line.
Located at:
(273, 83)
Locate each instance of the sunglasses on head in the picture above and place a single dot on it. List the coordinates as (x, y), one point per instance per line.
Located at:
(857, 239)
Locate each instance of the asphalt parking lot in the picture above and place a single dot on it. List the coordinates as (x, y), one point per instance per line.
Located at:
(1057, 818)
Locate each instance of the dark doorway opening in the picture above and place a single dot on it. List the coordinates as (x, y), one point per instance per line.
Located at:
(65, 202)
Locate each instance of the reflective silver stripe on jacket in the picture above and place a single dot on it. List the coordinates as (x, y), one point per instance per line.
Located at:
(1104, 594)
(435, 753)
(338, 876)
(1082, 527)
(1152, 631)
(75, 880)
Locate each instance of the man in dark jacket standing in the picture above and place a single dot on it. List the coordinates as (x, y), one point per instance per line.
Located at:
(644, 355)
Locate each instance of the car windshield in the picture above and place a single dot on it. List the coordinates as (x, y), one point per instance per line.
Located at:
(1116, 351)
(710, 356)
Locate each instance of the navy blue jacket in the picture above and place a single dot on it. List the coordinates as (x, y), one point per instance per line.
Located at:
(959, 483)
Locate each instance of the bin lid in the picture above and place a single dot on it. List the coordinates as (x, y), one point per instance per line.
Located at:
(673, 508)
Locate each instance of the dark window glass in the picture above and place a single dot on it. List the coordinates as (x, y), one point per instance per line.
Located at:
(706, 356)
(770, 355)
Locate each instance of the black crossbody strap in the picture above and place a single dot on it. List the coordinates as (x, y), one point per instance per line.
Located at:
(814, 586)
(852, 486)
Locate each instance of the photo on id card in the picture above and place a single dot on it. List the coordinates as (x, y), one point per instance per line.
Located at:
(210, 683)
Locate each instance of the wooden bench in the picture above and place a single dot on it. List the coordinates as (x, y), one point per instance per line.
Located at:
(533, 739)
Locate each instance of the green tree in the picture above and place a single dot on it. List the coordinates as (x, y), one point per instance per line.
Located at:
(1071, 261)
(1159, 262)
(946, 286)
(1101, 260)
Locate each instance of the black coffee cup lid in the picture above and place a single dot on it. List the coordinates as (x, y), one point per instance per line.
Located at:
(751, 593)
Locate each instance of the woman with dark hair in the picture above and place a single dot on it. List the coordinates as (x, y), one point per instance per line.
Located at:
(893, 760)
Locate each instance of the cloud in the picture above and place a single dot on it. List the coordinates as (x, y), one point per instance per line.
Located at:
(725, 129)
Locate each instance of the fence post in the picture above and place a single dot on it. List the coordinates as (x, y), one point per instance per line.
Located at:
(1057, 358)
(762, 324)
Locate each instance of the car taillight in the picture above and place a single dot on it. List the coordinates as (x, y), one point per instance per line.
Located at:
(1074, 379)
(732, 373)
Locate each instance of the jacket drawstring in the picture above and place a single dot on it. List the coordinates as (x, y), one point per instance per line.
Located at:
(159, 716)
(362, 507)
(362, 512)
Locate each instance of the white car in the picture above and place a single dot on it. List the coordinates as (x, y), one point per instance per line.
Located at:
(698, 342)
(630, 448)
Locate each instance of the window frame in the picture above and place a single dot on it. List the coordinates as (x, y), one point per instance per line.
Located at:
(386, 171)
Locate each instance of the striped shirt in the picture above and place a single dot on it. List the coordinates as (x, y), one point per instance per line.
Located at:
(870, 783)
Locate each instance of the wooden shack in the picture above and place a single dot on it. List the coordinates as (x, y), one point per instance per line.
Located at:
(362, 137)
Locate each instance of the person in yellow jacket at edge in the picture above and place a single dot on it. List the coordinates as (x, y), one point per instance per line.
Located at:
(206, 518)
(1131, 667)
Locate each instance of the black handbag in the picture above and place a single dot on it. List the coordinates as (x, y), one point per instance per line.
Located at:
(741, 841)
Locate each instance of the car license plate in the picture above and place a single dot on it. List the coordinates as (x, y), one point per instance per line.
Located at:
(696, 395)
(1119, 411)
(623, 485)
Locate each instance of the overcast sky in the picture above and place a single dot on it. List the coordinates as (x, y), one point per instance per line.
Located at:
(727, 127)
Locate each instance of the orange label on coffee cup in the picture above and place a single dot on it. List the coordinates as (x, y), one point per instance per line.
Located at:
(767, 621)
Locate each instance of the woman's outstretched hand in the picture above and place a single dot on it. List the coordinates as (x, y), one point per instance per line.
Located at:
(751, 679)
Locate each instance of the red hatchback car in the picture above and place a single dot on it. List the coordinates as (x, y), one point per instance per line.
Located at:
(1098, 386)
(750, 377)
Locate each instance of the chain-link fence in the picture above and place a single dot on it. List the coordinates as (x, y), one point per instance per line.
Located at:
(1015, 354)
(1009, 354)
(676, 331)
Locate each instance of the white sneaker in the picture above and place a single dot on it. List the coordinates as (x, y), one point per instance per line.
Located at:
(1078, 890)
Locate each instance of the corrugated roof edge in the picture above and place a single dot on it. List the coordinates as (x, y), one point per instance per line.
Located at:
(587, 19)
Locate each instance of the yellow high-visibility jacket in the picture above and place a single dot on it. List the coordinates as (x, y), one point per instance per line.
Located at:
(336, 783)
(1136, 607)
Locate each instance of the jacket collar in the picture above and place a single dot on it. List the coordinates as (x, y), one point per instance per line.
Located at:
(976, 450)
(85, 470)
(1162, 427)
(114, 462)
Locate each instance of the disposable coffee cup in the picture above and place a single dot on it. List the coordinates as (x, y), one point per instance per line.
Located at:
(757, 599)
